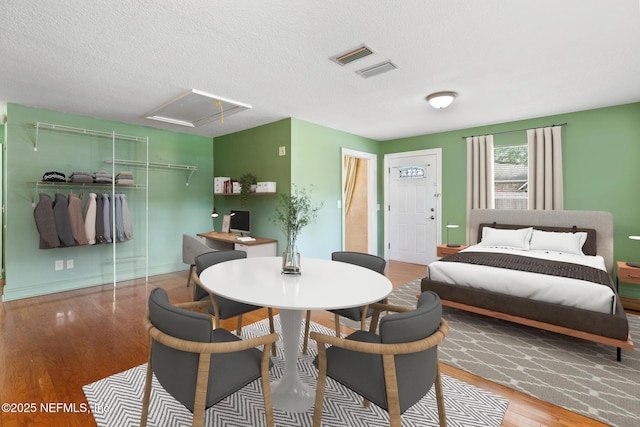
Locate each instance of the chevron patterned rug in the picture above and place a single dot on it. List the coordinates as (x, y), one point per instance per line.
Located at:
(575, 374)
(120, 398)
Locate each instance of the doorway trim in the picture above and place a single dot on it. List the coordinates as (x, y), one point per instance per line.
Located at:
(372, 197)
(387, 159)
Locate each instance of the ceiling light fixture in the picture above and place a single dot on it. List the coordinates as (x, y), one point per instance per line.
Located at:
(441, 100)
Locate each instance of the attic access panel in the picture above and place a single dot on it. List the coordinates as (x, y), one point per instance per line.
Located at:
(195, 108)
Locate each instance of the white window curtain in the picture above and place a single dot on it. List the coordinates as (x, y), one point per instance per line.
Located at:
(479, 176)
(545, 168)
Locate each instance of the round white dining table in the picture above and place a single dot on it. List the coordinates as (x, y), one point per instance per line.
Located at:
(323, 285)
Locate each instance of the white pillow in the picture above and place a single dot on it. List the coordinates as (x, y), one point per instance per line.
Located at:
(557, 241)
(512, 239)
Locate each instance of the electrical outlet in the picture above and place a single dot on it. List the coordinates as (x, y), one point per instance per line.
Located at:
(69, 263)
(59, 265)
(282, 151)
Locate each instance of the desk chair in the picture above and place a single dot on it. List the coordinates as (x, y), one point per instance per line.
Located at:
(198, 365)
(394, 369)
(191, 248)
(372, 262)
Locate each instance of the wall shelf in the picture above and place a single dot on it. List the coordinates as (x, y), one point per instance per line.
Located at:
(249, 194)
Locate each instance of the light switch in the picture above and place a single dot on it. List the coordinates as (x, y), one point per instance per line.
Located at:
(282, 151)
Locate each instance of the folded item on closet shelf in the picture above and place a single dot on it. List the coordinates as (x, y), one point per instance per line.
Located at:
(102, 177)
(81, 178)
(103, 180)
(124, 181)
(54, 176)
(126, 174)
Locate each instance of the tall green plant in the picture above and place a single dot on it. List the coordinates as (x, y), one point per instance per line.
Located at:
(294, 212)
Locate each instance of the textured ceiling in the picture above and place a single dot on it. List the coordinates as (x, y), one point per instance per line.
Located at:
(508, 60)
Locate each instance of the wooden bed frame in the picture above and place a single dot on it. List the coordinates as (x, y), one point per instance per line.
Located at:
(565, 320)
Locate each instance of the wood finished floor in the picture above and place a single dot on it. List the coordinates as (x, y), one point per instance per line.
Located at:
(50, 346)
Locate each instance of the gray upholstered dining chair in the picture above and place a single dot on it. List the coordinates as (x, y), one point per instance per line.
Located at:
(191, 248)
(198, 365)
(360, 313)
(393, 369)
(224, 308)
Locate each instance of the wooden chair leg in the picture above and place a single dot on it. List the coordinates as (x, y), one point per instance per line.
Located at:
(336, 318)
(190, 273)
(305, 341)
(239, 325)
(363, 318)
(391, 384)
(266, 388)
(199, 402)
(442, 415)
(322, 380)
(272, 329)
(147, 393)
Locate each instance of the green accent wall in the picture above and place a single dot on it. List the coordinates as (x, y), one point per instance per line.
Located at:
(312, 161)
(254, 151)
(174, 207)
(601, 151)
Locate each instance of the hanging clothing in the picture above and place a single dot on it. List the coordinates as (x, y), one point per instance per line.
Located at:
(63, 224)
(99, 219)
(90, 219)
(46, 223)
(106, 217)
(119, 220)
(77, 221)
(126, 218)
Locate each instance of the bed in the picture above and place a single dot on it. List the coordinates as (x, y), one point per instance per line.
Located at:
(546, 282)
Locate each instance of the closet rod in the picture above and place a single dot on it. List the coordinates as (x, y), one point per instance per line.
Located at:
(510, 131)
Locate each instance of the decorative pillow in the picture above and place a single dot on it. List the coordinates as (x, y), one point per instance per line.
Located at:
(512, 239)
(570, 243)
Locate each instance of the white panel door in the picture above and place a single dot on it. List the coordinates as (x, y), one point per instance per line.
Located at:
(413, 197)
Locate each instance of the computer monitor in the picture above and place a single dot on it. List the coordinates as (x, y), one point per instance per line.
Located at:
(240, 221)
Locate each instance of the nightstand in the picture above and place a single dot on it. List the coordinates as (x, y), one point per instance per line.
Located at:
(444, 250)
(631, 275)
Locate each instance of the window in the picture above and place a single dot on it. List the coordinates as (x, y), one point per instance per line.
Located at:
(511, 176)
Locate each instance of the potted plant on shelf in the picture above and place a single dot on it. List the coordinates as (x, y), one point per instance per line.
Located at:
(247, 182)
(294, 212)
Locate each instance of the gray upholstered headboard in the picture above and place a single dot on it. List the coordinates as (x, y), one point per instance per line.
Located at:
(599, 220)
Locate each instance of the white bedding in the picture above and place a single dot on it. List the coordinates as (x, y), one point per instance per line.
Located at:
(541, 287)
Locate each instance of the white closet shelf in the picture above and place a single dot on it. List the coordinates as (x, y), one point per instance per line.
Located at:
(156, 165)
(80, 131)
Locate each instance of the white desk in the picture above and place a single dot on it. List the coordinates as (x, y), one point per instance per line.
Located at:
(260, 246)
(323, 284)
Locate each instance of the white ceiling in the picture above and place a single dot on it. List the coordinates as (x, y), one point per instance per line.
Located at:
(508, 60)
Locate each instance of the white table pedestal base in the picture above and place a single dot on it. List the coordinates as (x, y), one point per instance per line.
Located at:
(289, 393)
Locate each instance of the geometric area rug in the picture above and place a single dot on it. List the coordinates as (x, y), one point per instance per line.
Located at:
(118, 399)
(576, 374)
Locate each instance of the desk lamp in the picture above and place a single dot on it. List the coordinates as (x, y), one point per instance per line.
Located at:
(449, 226)
(214, 215)
(634, 264)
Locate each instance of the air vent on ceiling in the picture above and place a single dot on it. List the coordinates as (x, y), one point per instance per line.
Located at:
(196, 108)
(351, 55)
(374, 70)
